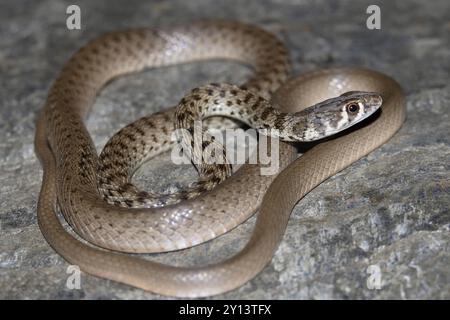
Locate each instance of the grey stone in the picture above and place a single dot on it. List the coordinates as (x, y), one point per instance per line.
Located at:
(390, 209)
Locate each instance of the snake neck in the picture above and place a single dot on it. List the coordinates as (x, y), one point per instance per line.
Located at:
(231, 101)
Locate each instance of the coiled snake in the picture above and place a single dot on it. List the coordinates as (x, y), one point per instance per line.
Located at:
(73, 183)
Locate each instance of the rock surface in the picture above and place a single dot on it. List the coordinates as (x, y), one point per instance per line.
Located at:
(389, 210)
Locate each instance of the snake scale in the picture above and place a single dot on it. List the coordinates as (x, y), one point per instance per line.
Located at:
(71, 165)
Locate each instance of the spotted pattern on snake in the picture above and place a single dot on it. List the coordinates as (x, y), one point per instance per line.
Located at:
(70, 160)
(226, 100)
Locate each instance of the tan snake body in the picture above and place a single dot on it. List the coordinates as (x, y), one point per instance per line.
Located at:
(70, 161)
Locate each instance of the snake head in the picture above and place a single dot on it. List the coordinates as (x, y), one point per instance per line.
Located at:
(355, 106)
(335, 115)
(350, 108)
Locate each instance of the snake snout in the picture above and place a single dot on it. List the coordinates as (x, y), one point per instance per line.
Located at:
(374, 100)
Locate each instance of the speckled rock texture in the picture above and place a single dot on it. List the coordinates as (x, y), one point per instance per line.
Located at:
(390, 210)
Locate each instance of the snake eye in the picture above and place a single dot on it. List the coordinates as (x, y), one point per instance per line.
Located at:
(352, 108)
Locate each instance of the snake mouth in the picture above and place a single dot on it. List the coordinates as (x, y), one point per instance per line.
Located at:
(365, 119)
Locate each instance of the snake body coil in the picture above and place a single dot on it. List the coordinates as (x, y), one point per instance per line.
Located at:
(70, 160)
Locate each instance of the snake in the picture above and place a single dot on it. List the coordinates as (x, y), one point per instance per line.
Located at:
(72, 183)
(134, 144)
